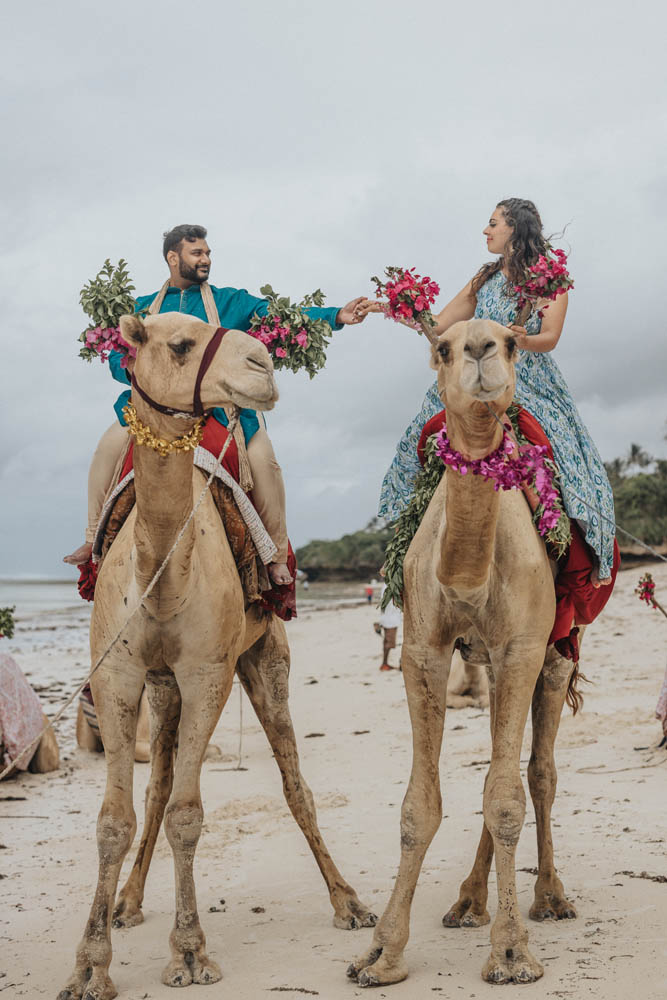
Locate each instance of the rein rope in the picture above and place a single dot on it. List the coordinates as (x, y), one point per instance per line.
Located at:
(51, 722)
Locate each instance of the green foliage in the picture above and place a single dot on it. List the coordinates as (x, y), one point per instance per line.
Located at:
(352, 557)
(408, 522)
(641, 504)
(105, 298)
(313, 356)
(7, 622)
(640, 498)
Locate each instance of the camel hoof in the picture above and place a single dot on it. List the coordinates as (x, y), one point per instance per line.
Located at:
(177, 974)
(208, 973)
(100, 988)
(383, 973)
(127, 915)
(354, 915)
(471, 919)
(464, 916)
(560, 909)
(516, 967)
(369, 958)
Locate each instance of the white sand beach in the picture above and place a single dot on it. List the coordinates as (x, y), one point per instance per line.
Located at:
(263, 905)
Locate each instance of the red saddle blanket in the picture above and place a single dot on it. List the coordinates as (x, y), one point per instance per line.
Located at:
(281, 600)
(577, 600)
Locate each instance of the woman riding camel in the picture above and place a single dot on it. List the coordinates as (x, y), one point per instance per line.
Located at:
(515, 234)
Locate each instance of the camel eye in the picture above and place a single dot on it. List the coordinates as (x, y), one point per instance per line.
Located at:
(182, 347)
(443, 351)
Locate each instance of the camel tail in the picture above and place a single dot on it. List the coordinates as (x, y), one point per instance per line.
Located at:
(574, 697)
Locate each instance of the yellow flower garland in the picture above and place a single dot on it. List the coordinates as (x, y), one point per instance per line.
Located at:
(143, 435)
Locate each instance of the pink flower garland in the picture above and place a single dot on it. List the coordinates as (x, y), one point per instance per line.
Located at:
(508, 472)
(101, 340)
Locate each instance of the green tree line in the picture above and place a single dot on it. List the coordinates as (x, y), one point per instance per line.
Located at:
(639, 483)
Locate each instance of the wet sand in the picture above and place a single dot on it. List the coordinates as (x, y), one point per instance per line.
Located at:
(610, 819)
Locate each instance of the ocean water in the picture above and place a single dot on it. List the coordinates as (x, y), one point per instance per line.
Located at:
(60, 598)
(36, 596)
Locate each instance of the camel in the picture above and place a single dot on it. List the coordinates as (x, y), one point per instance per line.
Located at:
(467, 686)
(478, 569)
(185, 644)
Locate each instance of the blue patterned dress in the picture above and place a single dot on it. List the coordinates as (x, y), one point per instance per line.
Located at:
(541, 389)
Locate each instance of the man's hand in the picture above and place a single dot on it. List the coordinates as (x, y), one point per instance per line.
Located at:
(349, 314)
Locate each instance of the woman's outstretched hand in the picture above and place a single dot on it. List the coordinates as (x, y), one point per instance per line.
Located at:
(367, 306)
(349, 314)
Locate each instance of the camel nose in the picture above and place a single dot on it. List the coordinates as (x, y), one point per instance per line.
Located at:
(477, 351)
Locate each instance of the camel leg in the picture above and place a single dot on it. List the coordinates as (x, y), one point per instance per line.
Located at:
(47, 756)
(504, 812)
(86, 737)
(470, 908)
(118, 689)
(548, 699)
(425, 671)
(203, 693)
(165, 703)
(264, 673)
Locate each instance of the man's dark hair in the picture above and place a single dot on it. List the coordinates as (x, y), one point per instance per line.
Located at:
(175, 236)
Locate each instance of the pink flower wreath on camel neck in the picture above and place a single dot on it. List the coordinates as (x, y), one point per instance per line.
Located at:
(509, 467)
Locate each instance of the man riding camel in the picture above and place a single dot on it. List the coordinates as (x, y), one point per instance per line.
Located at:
(187, 290)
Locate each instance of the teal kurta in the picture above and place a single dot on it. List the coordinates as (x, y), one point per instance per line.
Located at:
(236, 307)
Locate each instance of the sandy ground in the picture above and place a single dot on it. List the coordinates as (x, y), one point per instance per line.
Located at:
(610, 818)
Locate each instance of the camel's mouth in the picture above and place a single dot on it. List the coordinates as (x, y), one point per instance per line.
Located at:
(486, 395)
(262, 396)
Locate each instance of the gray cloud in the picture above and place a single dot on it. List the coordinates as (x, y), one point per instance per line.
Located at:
(319, 144)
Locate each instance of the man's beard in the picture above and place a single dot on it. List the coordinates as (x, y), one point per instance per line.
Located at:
(191, 273)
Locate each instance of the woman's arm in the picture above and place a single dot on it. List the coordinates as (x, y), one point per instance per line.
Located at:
(461, 307)
(552, 327)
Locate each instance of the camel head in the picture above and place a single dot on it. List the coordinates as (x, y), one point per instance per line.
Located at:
(475, 365)
(169, 352)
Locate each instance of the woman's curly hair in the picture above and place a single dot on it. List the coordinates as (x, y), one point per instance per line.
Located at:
(528, 242)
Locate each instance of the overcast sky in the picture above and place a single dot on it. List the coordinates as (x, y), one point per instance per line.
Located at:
(319, 143)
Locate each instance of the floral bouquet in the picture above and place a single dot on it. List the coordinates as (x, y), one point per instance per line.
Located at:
(409, 296)
(106, 298)
(293, 338)
(546, 279)
(645, 591)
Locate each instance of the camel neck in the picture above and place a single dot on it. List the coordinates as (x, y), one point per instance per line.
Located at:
(164, 500)
(471, 508)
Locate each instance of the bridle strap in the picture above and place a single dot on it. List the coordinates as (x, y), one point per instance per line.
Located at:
(204, 365)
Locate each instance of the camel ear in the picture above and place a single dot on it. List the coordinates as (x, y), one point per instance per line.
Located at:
(133, 330)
